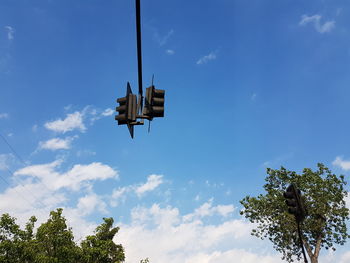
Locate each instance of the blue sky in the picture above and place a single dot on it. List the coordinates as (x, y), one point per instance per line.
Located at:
(249, 85)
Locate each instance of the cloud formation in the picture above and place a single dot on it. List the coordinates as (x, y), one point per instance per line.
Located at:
(5, 160)
(120, 194)
(153, 181)
(73, 121)
(340, 162)
(170, 52)
(207, 209)
(164, 235)
(57, 144)
(10, 32)
(78, 177)
(162, 40)
(107, 112)
(326, 27)
(205, 59)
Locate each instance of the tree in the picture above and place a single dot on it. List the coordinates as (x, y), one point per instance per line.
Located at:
(53, 242)
(16, 245)
(325, 223)
(100, 248)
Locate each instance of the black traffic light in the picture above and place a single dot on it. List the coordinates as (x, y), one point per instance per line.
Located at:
(154, 103)
(127, 110)
(294, 202)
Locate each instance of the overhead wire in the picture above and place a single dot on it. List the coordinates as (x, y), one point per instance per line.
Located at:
(36, 199)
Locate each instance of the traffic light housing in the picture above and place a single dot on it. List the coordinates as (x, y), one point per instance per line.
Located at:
(127, 110)
(294, 202)
(154, 103)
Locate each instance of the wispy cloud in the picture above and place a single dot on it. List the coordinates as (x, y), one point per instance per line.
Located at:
(153, 181)
(84, 153)
(4, 115)
(207, 209)
(10, 32)
(107, 112)
(120, 194)
(96, 114)
(205, 59)
(162, 39)
(326, 27)
(57, 144)
(340, 162)
(170, 52)
(5, 161)
(253, 97)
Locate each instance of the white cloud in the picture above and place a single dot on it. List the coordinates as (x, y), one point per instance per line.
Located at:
(239, 256)
(107, 112)
(10, 32)
(205, 59)
(82, 153)
(57, 144)
(89, 203)
(71, 122)
(96, 115)
(39, 189)
(170, 52)
(345, 257)
(153, 181)
(326, 27)
(35, 128)
(207, 209)
(163, 235)
(68, 107)
(76, 178)
(119, 195)
(4, 115)
(345, 165)
(162, 40)
(5, 161)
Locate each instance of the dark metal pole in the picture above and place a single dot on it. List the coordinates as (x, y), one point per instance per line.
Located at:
(139, 53)
(301, 242)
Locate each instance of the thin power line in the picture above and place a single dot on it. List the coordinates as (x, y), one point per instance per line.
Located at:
(24, 163)
(18, 193)
(12, 149)
(36, 199)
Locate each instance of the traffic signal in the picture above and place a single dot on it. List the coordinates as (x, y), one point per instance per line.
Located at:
(127, 110)
(154, 103)
(294, 202)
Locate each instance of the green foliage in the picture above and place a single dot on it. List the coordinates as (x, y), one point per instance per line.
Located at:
(100, 247)
(54, 242)
(325, 223)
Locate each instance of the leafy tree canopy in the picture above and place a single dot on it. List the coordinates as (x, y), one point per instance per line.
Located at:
(324, 200)
(53, 242)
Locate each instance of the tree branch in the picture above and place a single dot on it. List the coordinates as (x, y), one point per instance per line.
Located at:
(308, 249)
(318, 246)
